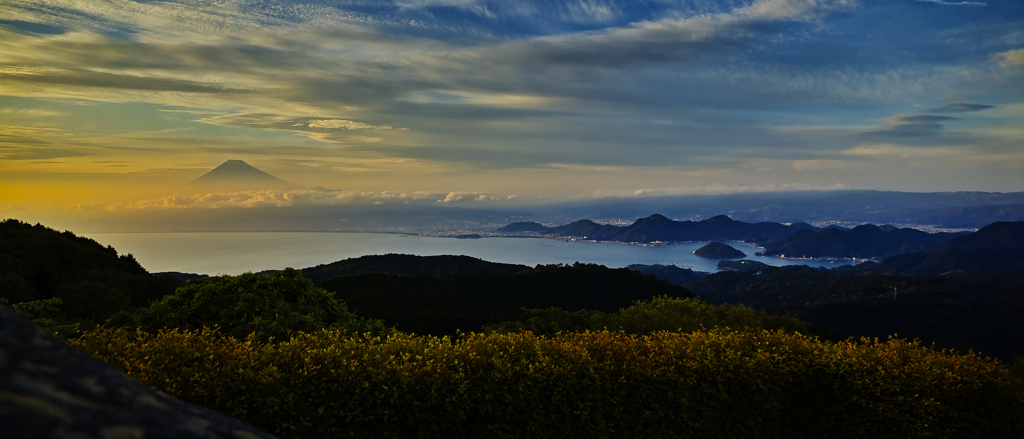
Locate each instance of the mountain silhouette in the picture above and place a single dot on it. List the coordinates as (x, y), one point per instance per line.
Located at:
(237, 175)
(659, 228)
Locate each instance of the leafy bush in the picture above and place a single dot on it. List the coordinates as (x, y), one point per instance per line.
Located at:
(41, 312)
(658, 314)
(270, 305)
(716, 384)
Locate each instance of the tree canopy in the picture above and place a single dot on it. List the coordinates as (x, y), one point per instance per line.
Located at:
(269, 305)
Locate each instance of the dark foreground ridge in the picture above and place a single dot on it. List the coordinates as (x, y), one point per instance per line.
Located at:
(466, 301)
(50, 390)
(410, 265)
(671, 273)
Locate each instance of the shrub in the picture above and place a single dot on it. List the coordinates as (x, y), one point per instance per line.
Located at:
(714, 384)
(270, 305)
(661, 313)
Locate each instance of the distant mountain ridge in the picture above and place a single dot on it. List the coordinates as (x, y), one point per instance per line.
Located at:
(800, 240)
(870, 241)
(866, 241)
(237, 175)
(979, 260)
(659, 228)
(998, 234)
(940, 209)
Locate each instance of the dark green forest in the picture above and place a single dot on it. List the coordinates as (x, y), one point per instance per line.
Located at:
(92, 282)
(963, 311)
(446, 304)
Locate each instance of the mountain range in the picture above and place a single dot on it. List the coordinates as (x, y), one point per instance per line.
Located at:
(870, 241)
(793, 240)
(658, 228)
(866, 241)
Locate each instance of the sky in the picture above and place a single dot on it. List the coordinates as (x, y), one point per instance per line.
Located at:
(115, 104)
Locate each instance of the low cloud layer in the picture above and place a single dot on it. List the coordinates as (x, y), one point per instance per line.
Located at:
(282, 198)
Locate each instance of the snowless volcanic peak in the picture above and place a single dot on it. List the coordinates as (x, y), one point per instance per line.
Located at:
(237, 175)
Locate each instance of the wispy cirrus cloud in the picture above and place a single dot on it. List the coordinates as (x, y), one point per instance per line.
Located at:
(340, 124)
(30, 112)
(955, 3)
(910, 125)
(960, 108)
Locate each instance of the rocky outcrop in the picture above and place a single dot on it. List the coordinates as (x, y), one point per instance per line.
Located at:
(51, 390)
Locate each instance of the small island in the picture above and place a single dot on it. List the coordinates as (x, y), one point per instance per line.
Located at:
(717, 250)
(469, 236)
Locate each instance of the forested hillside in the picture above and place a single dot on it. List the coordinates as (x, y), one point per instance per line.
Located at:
(442, 305)
(980, 312)
(408, 264)
(91, 280)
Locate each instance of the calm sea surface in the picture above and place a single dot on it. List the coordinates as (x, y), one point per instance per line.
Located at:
(234, 253)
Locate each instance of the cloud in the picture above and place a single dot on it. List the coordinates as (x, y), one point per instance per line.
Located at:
(948, 3)
(1010, 58)
(335, 124)
(666, 40)
(104, 80)
(313, 128)
(198, 112)
(904, 126)
(959, 108)
(35, 143)
(717, 188)
(455, 197)
(588, 89)
(888, 149)
(32, 112)
(482, 99)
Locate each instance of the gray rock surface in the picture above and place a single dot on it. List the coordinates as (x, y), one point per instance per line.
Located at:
(51, 390)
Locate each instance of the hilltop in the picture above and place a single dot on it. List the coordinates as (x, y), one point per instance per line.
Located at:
(408, 265)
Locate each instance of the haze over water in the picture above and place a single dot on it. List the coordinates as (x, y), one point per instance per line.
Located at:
(234, 253)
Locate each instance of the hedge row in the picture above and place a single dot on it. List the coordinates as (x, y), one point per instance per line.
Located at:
(717, 384)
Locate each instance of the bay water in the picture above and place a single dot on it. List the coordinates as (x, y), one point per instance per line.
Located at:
(237, 252)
